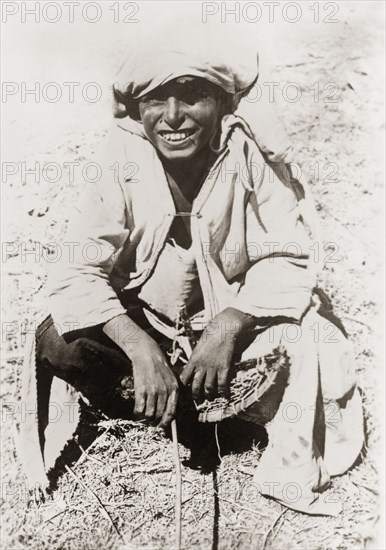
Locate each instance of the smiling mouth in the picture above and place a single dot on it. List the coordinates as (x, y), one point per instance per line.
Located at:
(176, 137)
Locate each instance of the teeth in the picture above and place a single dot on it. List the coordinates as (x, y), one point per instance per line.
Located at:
(175, 136)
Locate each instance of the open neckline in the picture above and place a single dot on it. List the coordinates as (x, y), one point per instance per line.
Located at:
(203, 193)
(184, 210)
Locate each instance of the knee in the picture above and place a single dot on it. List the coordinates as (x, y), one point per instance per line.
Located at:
(53, 349)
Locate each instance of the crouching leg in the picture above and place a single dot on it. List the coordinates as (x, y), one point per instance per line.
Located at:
(91, 363)
(302, 388)
(317, 429)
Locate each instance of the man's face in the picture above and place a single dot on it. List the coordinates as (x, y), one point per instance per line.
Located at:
(180, 117)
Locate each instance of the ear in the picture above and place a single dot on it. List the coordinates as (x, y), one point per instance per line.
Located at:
(125, 106)
(227, 104)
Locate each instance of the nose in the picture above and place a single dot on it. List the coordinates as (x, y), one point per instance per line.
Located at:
(173, 113)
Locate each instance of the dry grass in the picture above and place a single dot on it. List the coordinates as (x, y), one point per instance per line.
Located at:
(129, 468)
(120, 494)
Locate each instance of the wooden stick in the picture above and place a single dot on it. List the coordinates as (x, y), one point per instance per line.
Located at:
(271, 528)
(178, 484)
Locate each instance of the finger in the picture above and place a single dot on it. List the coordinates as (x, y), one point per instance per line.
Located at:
(170, 411)
(197, 385)
(151, 403)
(161, 404)
(187, 373)
(223, 382)
(140, 404)
(210, 385)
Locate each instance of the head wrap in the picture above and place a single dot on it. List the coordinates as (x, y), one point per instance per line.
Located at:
(220, 55)
(197, 50)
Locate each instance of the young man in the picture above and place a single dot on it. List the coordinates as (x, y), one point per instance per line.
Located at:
(206, 228)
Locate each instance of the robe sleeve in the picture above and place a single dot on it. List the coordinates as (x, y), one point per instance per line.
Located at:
(79, 289)
(282, 273)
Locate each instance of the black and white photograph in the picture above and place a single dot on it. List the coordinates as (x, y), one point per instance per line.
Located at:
(192, 331)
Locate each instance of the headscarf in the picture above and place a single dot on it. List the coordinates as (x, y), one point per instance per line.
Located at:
(231, 62)
(198, 50)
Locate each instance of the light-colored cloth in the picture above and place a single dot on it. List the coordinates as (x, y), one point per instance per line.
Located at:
(249, 238)
(197, 50)
(174, 283)
(317, 431)
(50, 409)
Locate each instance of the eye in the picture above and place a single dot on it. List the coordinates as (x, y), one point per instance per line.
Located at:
(149, 101)
(188, 93)
(155, 97)
(196, 92)
(191, 96)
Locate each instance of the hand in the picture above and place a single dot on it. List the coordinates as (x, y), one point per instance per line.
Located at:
(155, 386)
(209, 364)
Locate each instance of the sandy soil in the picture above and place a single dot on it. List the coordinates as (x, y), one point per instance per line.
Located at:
(339, 144)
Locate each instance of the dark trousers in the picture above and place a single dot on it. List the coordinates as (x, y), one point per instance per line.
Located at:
(92, 363)
(95, 366)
